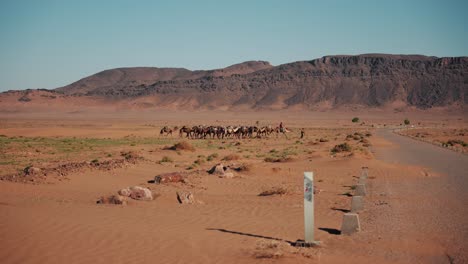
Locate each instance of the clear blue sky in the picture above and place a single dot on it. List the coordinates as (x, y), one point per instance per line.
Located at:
(47, 44)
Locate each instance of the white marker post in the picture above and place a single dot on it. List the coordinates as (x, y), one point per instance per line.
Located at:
(309, 209)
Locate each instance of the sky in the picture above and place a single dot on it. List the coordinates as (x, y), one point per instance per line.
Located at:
(49, 44)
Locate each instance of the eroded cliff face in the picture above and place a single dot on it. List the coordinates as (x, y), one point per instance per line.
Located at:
(369, 80)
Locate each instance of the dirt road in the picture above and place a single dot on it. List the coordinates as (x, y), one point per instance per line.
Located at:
(428, 220)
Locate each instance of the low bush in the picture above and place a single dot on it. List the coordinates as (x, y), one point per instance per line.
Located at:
(344, 147)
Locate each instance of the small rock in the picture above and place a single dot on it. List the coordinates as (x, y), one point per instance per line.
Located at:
(124, 192)
(141, 193)
(317, 190)
(222, 171)
(113, 199)
(169, 177)
(218, 169)
(137, 193)
(32, 171)
(227, 175)
(185, 197)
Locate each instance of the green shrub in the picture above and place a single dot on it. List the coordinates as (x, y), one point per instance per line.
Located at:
(355, 120)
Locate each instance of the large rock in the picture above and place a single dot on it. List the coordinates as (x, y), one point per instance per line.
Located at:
(137, 193)
(169, 177)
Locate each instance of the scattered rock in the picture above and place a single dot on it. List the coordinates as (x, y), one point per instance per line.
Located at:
(125, 192)
(169, 177)
(317, 190)
(113, 199)
(32, 170)
(185, 197)
(227, 175)
(218, 169)
(38, 175)
(137, 193)
(222, 171)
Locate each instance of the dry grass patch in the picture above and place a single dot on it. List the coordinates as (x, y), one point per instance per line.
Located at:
(276, 169)
(344, 147)
(244, 167)
(231, 157)
(183, 145)
(274, 191)
(269, 249)
(278, 159)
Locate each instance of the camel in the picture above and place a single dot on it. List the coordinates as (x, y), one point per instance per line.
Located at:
(186, 130)
(283, 130)
(166, 130)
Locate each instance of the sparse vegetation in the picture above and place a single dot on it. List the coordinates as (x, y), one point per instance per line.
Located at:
(274, 191)
(406, 121)
(453, 142)
(278, 159)
(355, 120)
(212, 156)
(199, 161)
(244, 167)
(231, 157)
(344, 147)
(268, 249)
(183, 145)
(165, 159)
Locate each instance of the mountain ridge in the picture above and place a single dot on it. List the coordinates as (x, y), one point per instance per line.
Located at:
(367, 80)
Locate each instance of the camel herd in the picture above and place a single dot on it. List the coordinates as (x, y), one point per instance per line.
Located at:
(221, 132)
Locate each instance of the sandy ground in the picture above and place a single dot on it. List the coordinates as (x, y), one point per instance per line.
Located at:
(60, 221)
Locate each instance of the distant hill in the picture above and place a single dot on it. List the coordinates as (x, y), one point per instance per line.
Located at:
(368, 80)
(122, 78)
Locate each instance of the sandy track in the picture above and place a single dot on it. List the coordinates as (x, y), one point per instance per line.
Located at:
(427, 212)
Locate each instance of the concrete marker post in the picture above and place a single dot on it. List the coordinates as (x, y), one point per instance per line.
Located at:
(350, 224)
(365, 172)
(362, 181)
(360, 190)
(309, 239)
(357, 204)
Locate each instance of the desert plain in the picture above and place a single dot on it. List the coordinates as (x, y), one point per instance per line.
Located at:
(56, 166)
